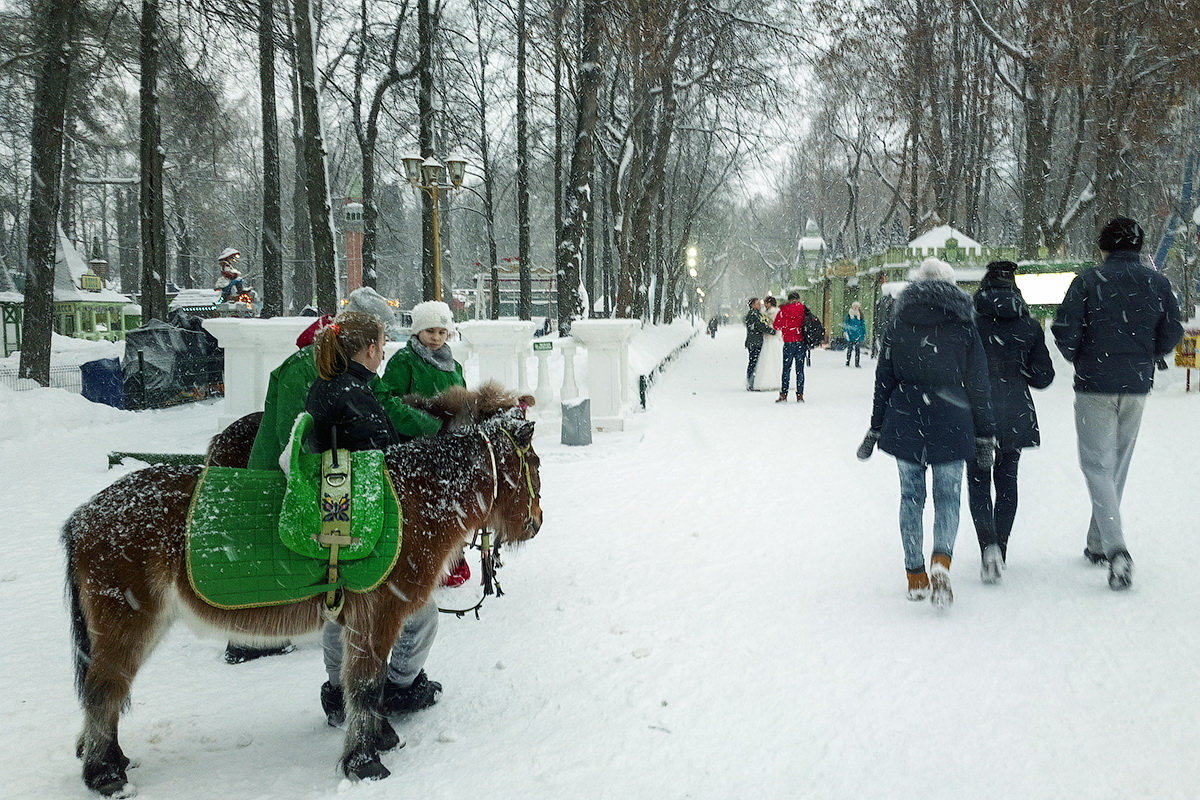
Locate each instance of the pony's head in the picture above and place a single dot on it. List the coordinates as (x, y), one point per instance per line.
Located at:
(517, 512)
(459, 407)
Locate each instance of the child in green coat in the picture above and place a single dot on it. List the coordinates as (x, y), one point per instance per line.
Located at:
(426, 366)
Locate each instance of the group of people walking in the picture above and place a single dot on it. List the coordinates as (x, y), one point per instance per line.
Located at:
(952, 389)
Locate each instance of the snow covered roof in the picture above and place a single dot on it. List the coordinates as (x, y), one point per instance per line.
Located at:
(811, 244)
(69, 269)
(12, 297)
(195, 298)
(937, 237)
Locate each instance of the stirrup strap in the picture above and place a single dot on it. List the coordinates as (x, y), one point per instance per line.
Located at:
(335, 523)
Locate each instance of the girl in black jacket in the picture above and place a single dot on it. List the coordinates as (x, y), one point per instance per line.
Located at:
(348, 354)
(1017, 359)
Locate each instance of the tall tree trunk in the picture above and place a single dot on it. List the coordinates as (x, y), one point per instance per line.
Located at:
(316, 175)
(303, 291)
(579, 192)
(525, 304)
(56, 20)
(183, 241)
(127, 240)
(272, 213)
(152, 213)
(70, 171)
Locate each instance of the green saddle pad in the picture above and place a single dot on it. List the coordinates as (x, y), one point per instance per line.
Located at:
(237, 557)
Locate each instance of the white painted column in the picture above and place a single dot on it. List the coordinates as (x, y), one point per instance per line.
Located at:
(570, 389)
(253, 348)
(544, 394)
(497, 344)
(607, 341)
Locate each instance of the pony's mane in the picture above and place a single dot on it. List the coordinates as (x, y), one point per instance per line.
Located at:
(459, 407)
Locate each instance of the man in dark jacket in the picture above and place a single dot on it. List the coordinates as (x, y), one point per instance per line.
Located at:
(757, 327)
(1116, 320)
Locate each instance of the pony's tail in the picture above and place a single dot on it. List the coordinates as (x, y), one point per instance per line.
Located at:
(81, 640)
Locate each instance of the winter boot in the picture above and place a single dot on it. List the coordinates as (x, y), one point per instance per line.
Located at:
(460, 574)
(799, 398)
(406, 699)
(918, 585)
(1094, 557)
(333, 704)
(1120, 571)
(241, 653)
(782, 398)
(939, 581)
(993, 564)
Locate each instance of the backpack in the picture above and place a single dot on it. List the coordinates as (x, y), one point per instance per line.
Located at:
(814, 329)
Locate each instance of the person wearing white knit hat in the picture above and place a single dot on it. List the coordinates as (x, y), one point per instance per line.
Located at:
(432, 314)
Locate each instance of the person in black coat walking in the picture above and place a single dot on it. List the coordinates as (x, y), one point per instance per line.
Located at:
(1017, 359)
(932, 409)
(1115, 321)
(757, 327)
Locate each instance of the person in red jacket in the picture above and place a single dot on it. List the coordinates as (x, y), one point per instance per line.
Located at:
(790, 324)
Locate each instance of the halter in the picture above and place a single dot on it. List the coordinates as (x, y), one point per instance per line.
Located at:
(522, 452)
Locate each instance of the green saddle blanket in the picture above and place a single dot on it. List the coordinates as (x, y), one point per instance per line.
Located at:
(244, 553)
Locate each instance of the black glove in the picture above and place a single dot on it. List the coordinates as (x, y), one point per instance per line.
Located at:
(1161, 364)
(868, 444)
(985, 452)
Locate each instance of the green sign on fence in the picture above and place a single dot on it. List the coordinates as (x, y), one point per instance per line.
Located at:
(543, 346)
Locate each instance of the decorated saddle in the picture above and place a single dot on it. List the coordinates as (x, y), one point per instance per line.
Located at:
(260, 538)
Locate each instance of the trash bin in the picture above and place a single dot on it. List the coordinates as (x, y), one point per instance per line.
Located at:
(103, 382)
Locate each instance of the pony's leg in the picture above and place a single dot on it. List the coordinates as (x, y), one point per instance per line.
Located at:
(120, 638)
(364, 670)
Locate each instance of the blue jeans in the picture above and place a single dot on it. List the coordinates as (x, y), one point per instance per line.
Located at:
(792, 352)
(947, 488)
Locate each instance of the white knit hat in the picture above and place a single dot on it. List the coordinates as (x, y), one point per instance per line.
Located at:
(432, 314)
(933, 269)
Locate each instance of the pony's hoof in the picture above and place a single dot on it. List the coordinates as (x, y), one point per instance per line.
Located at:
(110, 781)
(387, 739)
(365, 767)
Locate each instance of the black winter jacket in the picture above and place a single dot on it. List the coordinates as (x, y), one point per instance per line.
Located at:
(1115, 320)
(1017, 359)
(931, 382)
(757, 326)
(348, 404)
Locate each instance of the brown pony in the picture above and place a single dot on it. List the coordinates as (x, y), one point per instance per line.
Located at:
(456, 407)
(127, 579)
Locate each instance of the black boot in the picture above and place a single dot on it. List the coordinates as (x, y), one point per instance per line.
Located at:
(333, 704)
(241, 653)
(405, 699)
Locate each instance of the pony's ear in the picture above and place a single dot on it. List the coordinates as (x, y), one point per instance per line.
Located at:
(523, 433)
(527, 400)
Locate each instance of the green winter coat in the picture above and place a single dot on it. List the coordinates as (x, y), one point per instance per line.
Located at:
(286, 392)
(408, 373)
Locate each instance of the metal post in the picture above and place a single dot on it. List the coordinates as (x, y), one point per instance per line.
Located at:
(437, 245)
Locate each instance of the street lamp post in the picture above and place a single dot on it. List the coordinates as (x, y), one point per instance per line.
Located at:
(429, 176)
(693, 255)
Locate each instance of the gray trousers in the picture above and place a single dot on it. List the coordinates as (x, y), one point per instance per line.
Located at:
(1107, 426)
(408, 654)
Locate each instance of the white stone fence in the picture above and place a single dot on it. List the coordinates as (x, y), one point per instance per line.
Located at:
(255, 347)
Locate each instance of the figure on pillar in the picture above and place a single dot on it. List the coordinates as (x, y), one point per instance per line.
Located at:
(237, 299)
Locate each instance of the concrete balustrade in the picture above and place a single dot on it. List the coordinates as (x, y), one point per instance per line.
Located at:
(501, 346)
(608, 382)
(253, 348)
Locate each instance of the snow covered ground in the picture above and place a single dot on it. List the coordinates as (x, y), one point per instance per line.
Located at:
(714, 609)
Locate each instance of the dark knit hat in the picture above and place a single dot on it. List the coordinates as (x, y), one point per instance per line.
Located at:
(1121, 233)
(1000, 273)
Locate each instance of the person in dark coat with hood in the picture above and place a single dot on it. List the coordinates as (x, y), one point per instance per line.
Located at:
(1017, 359)
(932, 410)
(1115, 321)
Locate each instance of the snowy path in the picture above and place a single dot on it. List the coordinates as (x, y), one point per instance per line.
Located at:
(714, 609)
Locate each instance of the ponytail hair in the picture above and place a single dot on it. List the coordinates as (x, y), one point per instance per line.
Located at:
(348, 334)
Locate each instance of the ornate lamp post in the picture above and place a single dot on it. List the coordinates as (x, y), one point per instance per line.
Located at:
(429, 176)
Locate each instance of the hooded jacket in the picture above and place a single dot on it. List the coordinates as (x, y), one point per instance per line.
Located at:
(1017, 359)
(1114, 321)
(931, 381)
(790, 321)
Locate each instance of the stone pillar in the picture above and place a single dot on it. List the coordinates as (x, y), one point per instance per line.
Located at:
(253, 348)
(499, 344)
(608, 381)
(544, 394)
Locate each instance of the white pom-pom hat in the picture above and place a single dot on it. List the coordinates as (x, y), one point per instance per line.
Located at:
(432, 314)
(933, 269)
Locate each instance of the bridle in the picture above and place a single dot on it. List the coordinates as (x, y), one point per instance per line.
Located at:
(488, 554)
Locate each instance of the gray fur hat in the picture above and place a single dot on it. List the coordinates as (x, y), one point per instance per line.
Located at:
(369, 301)
(933, 269)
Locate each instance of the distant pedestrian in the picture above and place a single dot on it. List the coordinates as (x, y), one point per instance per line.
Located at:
(1114, 322)
(712, 326)
(855, 328)
(790, 324)
(756, 328)
(931, 411)
(1017, 359)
